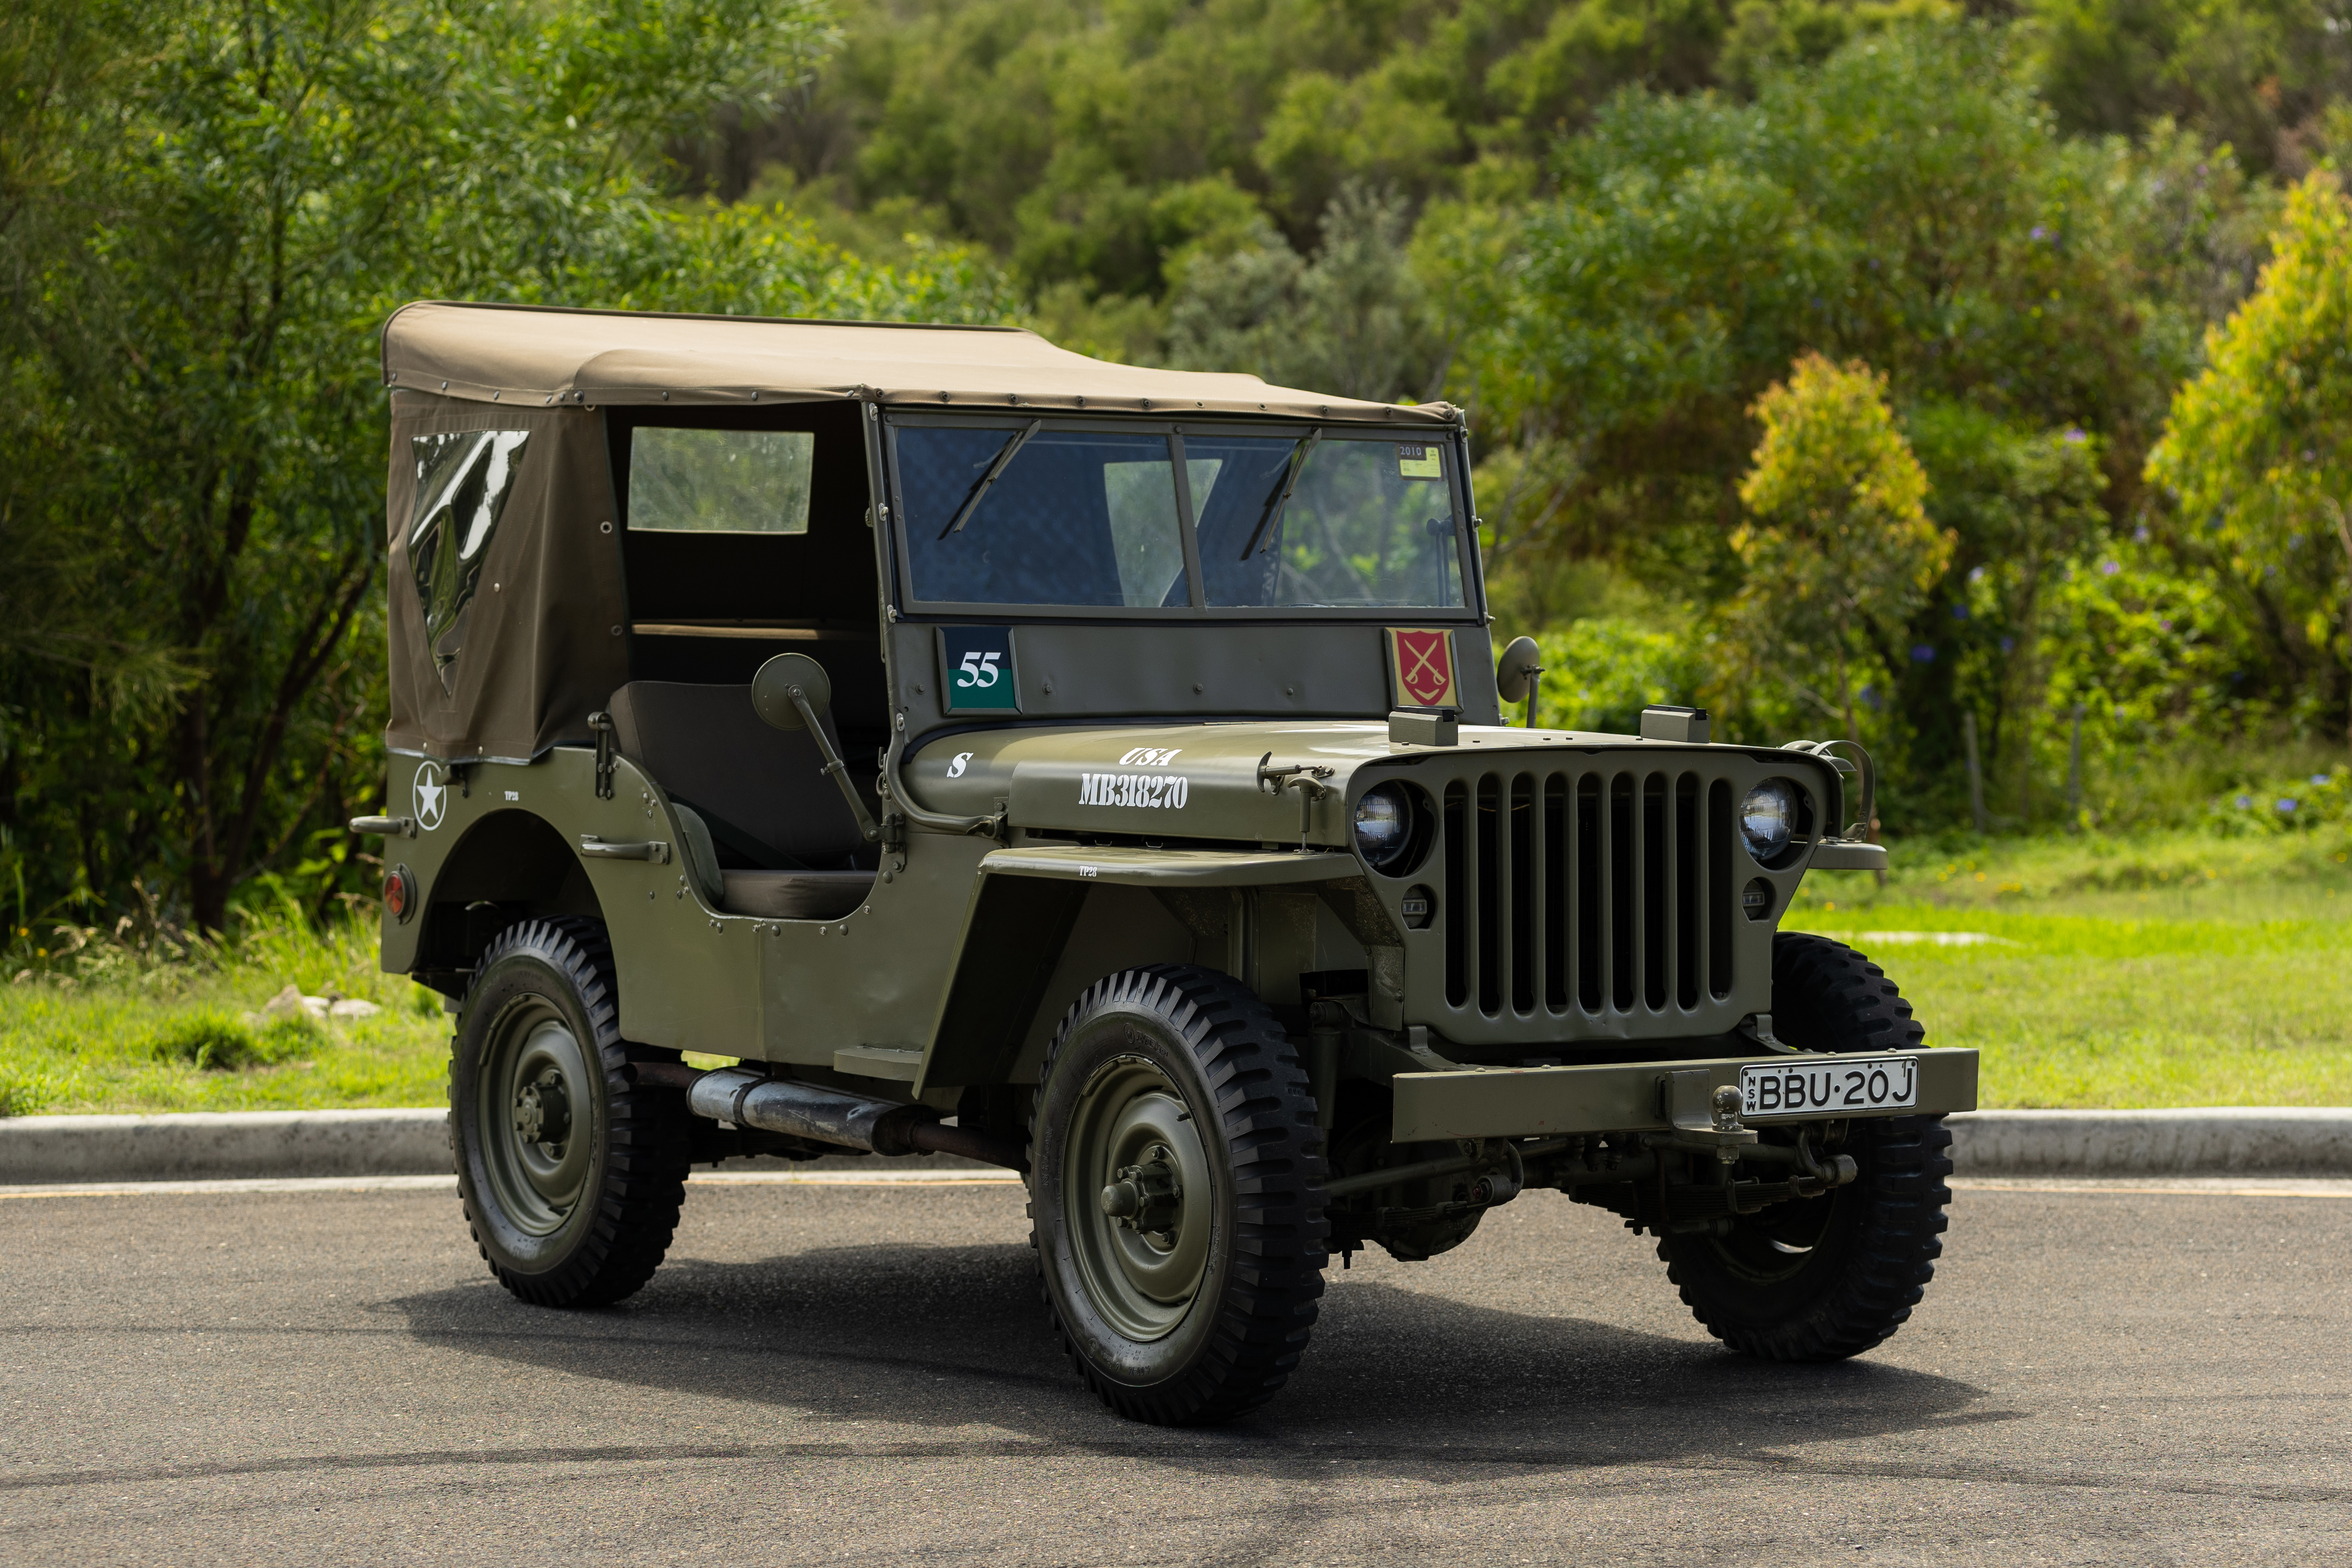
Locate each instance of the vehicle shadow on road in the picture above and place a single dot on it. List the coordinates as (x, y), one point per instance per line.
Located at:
(952, 1338)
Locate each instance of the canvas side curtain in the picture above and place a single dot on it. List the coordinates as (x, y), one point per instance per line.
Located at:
(509, 616)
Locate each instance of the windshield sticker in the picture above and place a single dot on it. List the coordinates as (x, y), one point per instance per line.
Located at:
(1422, 662)
(1418, 461)
(1147, 792)
(976, 669)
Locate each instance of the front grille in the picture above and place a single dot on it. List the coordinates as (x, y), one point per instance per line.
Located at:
(1604, 890)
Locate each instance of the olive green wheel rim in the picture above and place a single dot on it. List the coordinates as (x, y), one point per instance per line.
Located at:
(1136, 1189)
(536, 1108)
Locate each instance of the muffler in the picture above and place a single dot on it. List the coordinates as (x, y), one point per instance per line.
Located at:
(840, 1116)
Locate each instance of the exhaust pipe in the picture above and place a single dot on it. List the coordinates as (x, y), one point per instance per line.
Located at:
(826, 1115)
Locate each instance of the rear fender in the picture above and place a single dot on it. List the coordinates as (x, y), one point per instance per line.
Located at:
(506, 866)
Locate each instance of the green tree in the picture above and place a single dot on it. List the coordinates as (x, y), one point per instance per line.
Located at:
(188, 365)
(1353, 320)
(2247, 72)
(2258, 449)
(1839, 551)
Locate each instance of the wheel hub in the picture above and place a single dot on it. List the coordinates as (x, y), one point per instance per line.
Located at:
(1148, 1198)
(1138, 1195)
(543, 1113)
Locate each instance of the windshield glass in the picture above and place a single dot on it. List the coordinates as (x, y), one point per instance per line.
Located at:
(1031, 516)
(1366, 523)
(1027, 514)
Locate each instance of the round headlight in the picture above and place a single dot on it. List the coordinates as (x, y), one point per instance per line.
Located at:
(1768, 819)
(1384, 825)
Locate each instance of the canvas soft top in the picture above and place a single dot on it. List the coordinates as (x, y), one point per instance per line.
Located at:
(543, 357)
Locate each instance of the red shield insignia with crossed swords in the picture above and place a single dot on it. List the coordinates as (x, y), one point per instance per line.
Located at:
(1423, 662)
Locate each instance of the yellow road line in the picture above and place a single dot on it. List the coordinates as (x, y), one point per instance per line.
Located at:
(2169, 1186)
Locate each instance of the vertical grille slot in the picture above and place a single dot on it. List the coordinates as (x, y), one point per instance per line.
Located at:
(1456, 910)
(1555, 903)
(1488, 899)
(1592, 914)
(1624, 840)
(1718, 891)
(1687, 871)
(1522, 843)
(1657, 906)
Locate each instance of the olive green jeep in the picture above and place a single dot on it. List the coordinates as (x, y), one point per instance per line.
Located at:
(1100, 772)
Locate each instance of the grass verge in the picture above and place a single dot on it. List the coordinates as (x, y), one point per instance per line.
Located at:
(2177, 968)
(2163, 969)
(127, 1025)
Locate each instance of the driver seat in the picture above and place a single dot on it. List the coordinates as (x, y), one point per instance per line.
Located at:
(748, 794)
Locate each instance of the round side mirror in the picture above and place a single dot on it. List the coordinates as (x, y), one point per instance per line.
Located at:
(771, 689)
(1520, 662)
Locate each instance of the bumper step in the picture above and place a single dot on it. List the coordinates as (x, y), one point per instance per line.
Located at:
(1635, 1097)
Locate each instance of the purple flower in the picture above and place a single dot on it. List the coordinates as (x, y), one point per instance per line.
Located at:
(2245, 803)
(1922, 653)
(2108, 568)
(2288, 803)
(2040, 232)
(2075, 437)
(2320, 779)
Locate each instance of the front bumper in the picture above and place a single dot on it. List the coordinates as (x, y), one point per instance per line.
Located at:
(1635, 1097)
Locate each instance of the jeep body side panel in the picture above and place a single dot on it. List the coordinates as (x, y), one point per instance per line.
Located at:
(692, 976)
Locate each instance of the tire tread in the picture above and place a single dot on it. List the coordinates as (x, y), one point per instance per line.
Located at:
(1838, 1000)
(645, 1169)
(1272, 1291)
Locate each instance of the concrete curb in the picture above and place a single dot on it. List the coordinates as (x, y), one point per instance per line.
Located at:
(202, 1145)
(2218, 1140)
(2213, 1141)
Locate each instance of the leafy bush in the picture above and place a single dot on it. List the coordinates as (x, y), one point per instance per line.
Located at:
(2288, 806)
(1600, 673)
(211, 1039)
(24, 1093)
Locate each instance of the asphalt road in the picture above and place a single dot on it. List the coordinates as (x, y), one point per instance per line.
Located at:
(862, 1374)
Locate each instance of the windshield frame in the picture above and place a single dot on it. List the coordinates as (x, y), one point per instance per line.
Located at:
(1012, 419)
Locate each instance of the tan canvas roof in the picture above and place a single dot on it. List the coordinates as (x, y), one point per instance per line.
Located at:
(542, 357)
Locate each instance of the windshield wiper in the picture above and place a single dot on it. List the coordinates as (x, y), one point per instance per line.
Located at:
(1004, 460)
(1282, 497)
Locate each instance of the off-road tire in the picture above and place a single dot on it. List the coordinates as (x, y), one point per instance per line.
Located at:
(1234, 1342)
(628, 1185)
(1873, 1243)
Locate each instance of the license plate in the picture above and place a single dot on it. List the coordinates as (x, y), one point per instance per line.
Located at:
(1828, 1086)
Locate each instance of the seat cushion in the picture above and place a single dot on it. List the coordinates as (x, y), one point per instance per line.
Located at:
(706, 744)
(796, 895)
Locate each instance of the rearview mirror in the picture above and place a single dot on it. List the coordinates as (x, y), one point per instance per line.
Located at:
(781, 681)
(1515, 670)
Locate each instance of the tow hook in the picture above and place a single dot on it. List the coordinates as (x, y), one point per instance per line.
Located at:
(1706, 1120)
